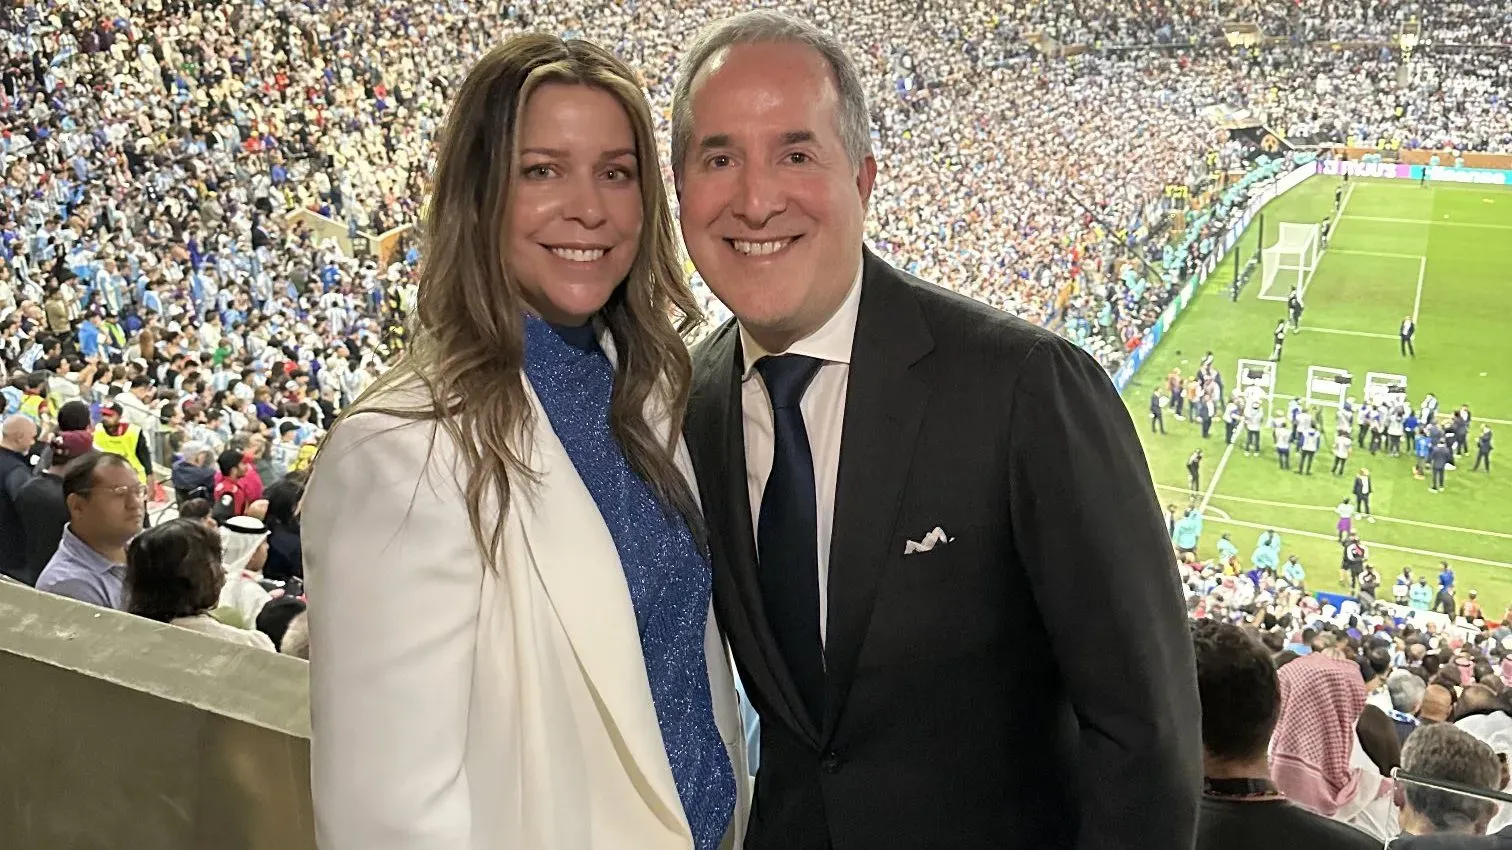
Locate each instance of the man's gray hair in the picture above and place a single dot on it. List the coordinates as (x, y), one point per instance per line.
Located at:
(194, 453)
(1445, 752)
(1406, 690)
(764, 26)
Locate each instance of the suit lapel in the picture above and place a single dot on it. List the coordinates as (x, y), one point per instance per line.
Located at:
(884, 407)
(577, 563)
(716, 436)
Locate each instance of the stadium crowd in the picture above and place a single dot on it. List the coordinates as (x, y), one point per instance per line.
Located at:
(1326, 700)
(165, 302)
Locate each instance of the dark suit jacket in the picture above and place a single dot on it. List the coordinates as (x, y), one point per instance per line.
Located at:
(43, 512)
(15, 471)
(1029, 684)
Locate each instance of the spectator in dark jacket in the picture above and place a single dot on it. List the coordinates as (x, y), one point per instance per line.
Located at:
(193, 475)
(17, 436)
(41, 505)
(1241, 701)
(284, 558)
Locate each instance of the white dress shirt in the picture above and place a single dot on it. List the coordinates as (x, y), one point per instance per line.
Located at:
(823, 408)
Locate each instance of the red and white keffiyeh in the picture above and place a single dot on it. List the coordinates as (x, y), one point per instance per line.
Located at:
(1321, 701)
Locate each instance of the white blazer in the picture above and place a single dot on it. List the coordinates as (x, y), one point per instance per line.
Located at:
(463, 706)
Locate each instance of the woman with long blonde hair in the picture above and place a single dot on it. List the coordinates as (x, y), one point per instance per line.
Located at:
(511, 638)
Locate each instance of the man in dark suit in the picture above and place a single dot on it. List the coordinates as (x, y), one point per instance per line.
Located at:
(937, 552)
(17, 438)
(1483, 450)
(1408, 331)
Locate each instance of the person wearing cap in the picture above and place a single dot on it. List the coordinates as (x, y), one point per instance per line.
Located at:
(122, 438)
(285, 447)
(230, 496)
(40, 504)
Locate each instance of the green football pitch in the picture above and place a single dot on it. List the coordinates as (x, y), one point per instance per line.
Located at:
(1442, 253)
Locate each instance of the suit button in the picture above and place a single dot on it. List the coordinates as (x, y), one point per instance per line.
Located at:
(830, 763)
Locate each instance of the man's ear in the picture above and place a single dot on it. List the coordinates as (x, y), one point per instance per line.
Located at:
(866, 178)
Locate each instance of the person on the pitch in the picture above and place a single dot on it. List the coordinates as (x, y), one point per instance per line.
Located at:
(1408, 331)
(1282, 428)
(1312, 439)
(1341, 449)
(1254, 421)
(1294, 308)
(1483, 450)
(1279, 336)
(1157, 412)
(1230, 421)
(1194, 470)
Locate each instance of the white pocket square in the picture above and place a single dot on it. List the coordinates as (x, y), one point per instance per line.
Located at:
(931, 540)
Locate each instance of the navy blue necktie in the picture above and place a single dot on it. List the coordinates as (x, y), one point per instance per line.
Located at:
(787, 531)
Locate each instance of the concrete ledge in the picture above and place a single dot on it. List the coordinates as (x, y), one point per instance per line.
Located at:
(118, 732)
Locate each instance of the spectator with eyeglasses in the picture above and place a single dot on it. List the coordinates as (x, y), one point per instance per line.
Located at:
(106, 506)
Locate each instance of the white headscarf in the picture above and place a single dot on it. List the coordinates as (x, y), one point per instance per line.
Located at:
(240, 537)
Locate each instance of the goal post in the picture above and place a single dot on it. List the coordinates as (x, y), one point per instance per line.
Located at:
(1290, 262)
(1385, 388)
(1327, 386)
(1257, 383)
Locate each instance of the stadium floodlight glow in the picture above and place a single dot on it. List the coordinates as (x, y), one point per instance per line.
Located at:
(1327, 386)
(1291, 262)
(1385, 388)
(1257, 382)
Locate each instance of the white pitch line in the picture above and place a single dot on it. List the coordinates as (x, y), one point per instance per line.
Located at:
(1417, 300)
(1331, 508)
(1334, 538)
(1386, 254)
(1389, 220)
(1311, 329)
(1213, 482)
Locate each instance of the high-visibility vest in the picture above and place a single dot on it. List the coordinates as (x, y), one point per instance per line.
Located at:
(125, 445)
(31, 406)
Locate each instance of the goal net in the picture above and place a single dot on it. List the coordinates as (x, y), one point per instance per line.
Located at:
(1291, 261)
